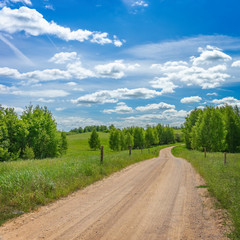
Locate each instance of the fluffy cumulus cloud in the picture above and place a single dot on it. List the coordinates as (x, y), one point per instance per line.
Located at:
(192, 99)
(114, 69)
(227, 100)
(192, 73)
(155, 106)
(63, 57)
(236, 64)
(74, 70)
(33, 93)
(210, 55)
(32, 23)
(121, 108)
(112, 96)
(170, 116)
(68, 123)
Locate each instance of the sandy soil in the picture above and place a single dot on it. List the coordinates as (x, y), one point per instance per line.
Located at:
(154, 199)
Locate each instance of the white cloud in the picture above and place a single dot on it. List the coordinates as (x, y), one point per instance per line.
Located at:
(139, 3)
(68, 123)
(112, 96)
(171, 116)
(74, 70)
(210, 55)
(115, 69)
(155, 106)
(192, 99)
(63, 57)
(227, 100)
(163, 83)
(49, 6)
(59, 109)
(41, 93)
(236, 64)
(9, 2)
(176, 71)
(71, 84)
(121, 108)
(43, 100)
(212, 94)
(32, 22)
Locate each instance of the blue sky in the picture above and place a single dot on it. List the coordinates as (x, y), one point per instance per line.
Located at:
(122, 62)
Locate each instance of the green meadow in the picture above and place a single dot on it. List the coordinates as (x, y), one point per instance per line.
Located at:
(28, 184)
(222, 180)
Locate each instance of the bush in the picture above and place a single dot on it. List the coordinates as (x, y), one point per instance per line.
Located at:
(28, 153)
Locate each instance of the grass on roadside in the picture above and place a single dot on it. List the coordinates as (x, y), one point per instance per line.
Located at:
(25, 185)
(223, 181)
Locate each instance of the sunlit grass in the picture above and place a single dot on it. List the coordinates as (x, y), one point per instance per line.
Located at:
(223, 180)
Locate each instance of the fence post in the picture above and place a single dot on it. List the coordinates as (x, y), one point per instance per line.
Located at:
(130, 149)
(205, 152)
(148, 150)
(101, 154)
(225, 157)
(141, 148)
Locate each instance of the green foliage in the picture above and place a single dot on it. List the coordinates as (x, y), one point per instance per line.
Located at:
(28, 153)
(216, 129)
(223, 180)
(114, 139)
(35, 129)
(139, 138)
(149, 137)
(94, 141)
(63, 146)
(128, 139)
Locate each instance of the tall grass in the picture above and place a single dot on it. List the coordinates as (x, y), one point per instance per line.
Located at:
(25, 185)
(223, 180)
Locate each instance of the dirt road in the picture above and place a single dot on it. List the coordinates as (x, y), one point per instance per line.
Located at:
(154, 199)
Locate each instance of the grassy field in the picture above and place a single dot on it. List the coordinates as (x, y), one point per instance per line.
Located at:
(25, 185)
(223, 181)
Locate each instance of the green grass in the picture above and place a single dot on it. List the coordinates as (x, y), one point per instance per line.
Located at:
(223, 181)
(25, 185)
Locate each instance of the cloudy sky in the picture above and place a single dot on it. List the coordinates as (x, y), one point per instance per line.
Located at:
(121, 62)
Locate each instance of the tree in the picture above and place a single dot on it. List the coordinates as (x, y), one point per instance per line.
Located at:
(63, 143)
(43, 136)
(114, 139)
(139, 139)
(149, 137)
(129, 139)
(94, 141)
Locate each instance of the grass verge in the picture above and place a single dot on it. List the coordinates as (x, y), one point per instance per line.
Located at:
(25, 185)
(223, 181)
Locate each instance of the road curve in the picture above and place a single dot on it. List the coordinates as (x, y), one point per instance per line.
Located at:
(153, 199)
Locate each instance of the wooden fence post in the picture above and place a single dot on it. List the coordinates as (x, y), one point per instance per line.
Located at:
(141, 148)
(225, 157)
(101, 154)
(130, 149)
(205, 152)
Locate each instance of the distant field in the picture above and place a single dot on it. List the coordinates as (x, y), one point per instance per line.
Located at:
(223, 181)
(24, 185)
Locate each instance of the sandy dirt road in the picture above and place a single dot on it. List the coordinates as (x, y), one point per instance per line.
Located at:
(154, 199)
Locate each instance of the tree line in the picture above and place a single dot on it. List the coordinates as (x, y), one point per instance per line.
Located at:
(137, 137)
(214, 128)
(31, 135)
(101, 128)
